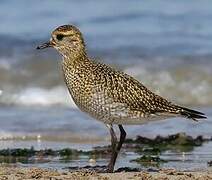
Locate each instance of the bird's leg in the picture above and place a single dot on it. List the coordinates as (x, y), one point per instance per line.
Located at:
(122, 137)
(113, 148)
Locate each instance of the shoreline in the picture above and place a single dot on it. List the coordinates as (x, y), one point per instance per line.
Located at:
(173, 151)
(15, 173)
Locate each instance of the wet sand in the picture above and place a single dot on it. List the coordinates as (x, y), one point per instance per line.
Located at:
(17, 173)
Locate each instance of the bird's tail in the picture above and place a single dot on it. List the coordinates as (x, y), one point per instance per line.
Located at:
(191, 114)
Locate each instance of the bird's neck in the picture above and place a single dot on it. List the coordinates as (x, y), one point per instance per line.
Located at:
(75, 59)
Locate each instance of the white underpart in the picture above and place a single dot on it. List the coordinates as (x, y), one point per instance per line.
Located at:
(110, 112)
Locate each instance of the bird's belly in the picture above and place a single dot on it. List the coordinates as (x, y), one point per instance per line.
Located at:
(118, 113)
(137, 120)
(103, 108)
(106, 113)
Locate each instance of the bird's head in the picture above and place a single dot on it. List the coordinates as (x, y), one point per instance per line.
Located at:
(67, 39)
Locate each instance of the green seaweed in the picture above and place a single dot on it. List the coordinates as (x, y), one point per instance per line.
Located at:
(18, 152)
(178, 142)
(147, 161)
(68, 152)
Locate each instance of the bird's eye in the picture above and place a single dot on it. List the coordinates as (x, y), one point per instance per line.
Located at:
(60, 37)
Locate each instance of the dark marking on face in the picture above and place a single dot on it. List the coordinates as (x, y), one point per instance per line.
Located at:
(60, 37)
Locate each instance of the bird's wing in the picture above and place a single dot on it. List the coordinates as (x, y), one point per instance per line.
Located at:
(123, 88)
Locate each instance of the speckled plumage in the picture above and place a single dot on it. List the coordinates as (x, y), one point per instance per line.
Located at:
(112, 96)
(107, 94)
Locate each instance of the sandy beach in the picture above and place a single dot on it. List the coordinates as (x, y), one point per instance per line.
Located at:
(17, 173)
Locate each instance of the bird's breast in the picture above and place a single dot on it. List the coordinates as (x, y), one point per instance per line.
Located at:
(91, 96)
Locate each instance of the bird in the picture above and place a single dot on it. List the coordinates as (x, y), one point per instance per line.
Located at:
(107, 94)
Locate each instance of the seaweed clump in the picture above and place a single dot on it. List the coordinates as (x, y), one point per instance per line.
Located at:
(151, 149)
(177, 142)
(147, 160)
(29, 155)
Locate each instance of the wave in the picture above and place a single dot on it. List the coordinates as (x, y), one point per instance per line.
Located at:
(37, 96)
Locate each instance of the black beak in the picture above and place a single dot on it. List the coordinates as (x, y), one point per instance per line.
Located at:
(45, 45)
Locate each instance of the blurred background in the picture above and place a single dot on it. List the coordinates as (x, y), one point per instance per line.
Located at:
(165, 44)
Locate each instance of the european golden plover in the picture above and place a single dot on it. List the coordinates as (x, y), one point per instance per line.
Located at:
(107, 94)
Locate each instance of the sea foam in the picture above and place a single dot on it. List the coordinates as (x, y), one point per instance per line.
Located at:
(40, 96)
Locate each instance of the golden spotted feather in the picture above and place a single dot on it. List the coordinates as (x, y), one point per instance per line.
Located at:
(114, 97)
